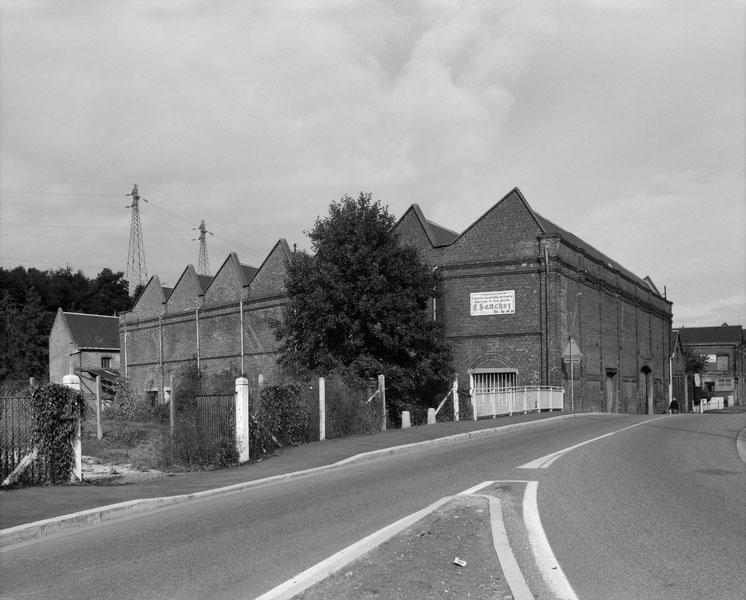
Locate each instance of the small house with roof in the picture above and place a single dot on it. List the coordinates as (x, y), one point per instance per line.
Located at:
(86, 346)
(724, 350)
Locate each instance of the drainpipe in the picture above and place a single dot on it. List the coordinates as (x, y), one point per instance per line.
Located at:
(546, 313)
(125, 350)
(196, 320)
(160, 354)
(435, 290)
(240, 308)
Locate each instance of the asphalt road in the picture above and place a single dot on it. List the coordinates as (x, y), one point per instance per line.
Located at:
(654, 512)
(606, 508)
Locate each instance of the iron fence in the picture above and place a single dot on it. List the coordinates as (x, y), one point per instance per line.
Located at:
(16, 441)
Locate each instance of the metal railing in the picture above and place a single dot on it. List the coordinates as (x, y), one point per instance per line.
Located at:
(506, 401)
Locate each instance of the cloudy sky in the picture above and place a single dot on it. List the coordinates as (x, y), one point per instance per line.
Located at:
(622, 121)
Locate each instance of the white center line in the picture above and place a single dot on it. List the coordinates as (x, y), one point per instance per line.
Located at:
(546, 461)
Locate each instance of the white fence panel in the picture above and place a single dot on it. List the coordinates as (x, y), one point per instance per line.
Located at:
(506, 401)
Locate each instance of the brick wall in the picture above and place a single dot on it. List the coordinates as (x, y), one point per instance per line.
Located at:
(208, 326)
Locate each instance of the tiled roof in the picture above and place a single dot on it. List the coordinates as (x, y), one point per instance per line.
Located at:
(93, 331)
(204, 281)
(440, 235)
(249, 272)
(573, 239)
(725, 334)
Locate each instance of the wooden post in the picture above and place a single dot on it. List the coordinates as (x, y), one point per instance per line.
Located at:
(455, 399)
(99, 431)
(382, 392)
(322, 409)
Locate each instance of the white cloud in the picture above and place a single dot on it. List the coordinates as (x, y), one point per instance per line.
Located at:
(255, 115)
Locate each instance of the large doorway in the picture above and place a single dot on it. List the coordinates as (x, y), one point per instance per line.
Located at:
(612, 395)
(645, 392)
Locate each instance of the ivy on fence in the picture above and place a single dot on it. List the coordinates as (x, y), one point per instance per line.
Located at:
(57, 411)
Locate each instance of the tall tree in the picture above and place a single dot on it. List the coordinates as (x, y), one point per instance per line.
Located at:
(24, 330)
(109, 293)
(359, 305)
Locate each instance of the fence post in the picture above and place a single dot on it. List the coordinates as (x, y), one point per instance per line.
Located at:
(525, 400)
(405, 420)
(431, 416)
(99, 431)
(322, 409)
(242, 418)
(455, 399)
(382, 392)
(73, 382)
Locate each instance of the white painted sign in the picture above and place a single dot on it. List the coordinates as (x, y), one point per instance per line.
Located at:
(492, 303)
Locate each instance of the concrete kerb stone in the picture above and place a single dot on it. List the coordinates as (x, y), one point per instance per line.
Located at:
(94, 516)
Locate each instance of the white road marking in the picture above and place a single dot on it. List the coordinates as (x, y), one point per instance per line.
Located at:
(512, 572)
(550, 569)
(546, 461)
(475, 489)
(334, 563)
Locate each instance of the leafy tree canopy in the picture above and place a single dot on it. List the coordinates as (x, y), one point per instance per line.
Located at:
(359, 305)
(695, 363)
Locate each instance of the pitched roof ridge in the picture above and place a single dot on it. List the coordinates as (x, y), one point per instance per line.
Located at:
(428, 226)
(67, 312)
(515, 191)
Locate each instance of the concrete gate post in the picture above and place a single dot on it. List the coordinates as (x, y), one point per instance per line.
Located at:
(242, 418)
(73, 382)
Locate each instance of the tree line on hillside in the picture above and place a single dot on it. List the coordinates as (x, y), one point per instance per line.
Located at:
(29, 299)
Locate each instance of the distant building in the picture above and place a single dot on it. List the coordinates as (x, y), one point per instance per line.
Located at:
(515, 291)
(86, 346)
(724, 349)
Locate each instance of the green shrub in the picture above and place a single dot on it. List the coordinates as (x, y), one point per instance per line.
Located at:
(280, 416)
(57, 410)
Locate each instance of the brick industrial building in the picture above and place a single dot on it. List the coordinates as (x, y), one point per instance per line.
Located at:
(514, 290)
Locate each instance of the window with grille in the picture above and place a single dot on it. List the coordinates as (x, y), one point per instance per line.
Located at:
(493, 381)
(105, 362)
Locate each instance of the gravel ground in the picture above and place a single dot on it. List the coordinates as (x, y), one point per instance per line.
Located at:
(100, 473)
(420, 562)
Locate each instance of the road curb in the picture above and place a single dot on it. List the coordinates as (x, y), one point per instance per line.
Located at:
(95, 516)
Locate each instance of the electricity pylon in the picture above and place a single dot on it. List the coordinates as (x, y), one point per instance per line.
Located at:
(203, 265)
(137, 272)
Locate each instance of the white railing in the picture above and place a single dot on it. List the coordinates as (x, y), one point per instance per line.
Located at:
(714, 403)
(506, 401)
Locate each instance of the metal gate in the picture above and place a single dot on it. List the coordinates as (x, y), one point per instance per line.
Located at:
(493, 392)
